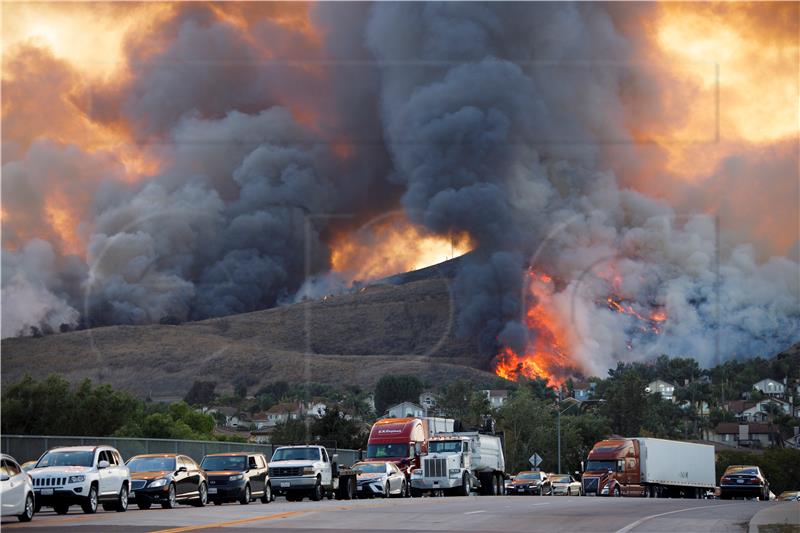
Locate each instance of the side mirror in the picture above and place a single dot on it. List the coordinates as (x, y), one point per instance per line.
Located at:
(183, 469)
(335, 458)
(4, 477)
(103, 464)
(418, 448)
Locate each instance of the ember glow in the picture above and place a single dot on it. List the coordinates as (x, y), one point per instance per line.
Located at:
(547, 354)
(391, 246)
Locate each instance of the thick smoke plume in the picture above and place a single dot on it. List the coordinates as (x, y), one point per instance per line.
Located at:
(221, 162)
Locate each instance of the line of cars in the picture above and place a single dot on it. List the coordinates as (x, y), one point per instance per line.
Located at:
(534, 482)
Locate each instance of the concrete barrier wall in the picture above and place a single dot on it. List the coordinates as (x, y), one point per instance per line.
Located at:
(30, 447)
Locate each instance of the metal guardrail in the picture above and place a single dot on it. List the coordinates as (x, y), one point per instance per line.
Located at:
(31, 447)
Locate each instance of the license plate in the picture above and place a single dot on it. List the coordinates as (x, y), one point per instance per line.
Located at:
(739, 481)
(520, 490)
(285, 484)
(212, 490)
(47, 492)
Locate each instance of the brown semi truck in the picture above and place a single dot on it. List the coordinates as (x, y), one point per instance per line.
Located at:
(654, 468)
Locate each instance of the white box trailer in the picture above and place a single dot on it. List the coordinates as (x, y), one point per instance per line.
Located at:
(674, 463)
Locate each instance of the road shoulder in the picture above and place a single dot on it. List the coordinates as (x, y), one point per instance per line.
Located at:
(777, 518)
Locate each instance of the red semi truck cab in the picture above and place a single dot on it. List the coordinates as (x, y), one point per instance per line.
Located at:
(400, 440)
(613, 465)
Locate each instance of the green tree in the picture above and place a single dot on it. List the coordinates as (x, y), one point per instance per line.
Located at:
(392, 389)
(528, 426)
(626, 399)
(334, 429)
(201, 393)
(293, 431)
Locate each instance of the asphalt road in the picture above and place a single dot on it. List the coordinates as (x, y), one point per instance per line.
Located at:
(475, 513)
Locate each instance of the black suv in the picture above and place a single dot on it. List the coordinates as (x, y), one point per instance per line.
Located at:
(168, 479)
(237, 477)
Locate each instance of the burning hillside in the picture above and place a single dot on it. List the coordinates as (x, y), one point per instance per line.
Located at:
(623, 174)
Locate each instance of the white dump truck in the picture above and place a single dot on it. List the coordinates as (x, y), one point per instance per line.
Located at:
(457, 463)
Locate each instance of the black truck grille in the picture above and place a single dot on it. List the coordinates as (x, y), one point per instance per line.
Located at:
(285, 471)
(590, 485)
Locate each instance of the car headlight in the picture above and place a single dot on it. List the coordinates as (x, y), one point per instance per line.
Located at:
(158, 482)
(77, 479)
(236, 477)
(308, 471)
(604, 490)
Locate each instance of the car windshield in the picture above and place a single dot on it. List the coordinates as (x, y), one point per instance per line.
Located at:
(377, 451)
(598, 466)
(529, 475)
(232, 463)
(445, 446)
(151, 464)
(66, 459)
(370, 468)
(561, 479)
(296, 454)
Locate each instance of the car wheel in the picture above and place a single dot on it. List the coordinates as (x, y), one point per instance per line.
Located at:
(316, 492)
(202, 495)
(246, 496)
(90, 505)
(27, 513)
(617, 492)
(61, 508)
(122, 500)
(403, 489)
(267, 497)
(143, 505)
(171, 500)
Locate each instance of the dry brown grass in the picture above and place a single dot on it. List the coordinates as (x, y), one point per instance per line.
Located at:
(348, 339)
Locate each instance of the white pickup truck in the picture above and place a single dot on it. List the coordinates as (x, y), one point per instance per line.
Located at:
(458, 462)
(299, 471)
(81, 475)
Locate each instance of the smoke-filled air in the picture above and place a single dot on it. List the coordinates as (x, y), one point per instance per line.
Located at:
(620, 180)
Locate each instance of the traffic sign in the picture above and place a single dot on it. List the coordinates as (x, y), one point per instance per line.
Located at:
(535, 460)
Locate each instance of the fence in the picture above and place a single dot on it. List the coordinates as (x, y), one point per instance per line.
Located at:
(31, 447)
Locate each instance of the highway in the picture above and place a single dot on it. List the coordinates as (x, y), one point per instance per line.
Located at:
(474, 513)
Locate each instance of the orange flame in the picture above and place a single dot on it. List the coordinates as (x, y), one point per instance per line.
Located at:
(547, 354)
(392, 246)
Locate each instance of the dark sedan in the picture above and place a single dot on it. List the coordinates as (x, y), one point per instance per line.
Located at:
(743, 481)
(167, 479)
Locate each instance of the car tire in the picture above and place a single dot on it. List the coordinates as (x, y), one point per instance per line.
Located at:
(617, 492)
(121, 505)
(316, 492)
(246, 495)
(90, 505)
(29, 510)
(143, 505)
(403, 489)
(202, 495)
(171, 502)
(267, 496)
(61, 508)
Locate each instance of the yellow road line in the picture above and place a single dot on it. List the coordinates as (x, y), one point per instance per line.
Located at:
(236, 522)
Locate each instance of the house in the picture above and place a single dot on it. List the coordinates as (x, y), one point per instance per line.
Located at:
(583, 391)
(667, 390)
(760, 411)
(282, 412)
(316, 407)
(404, 409)
(261, 436)
(427, 400)
(750, 434)
(497, 397)
(770, 387)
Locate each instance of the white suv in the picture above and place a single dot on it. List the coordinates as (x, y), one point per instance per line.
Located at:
(81, 475)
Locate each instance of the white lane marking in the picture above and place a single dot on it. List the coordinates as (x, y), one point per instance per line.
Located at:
(646, 518)
(475, 512)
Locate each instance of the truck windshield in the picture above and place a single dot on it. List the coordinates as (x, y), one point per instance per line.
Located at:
(600, 466)
(378, 451)
(440, 446)
(66, 459)
(151, 464)
(296, 454)
(222, 463)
